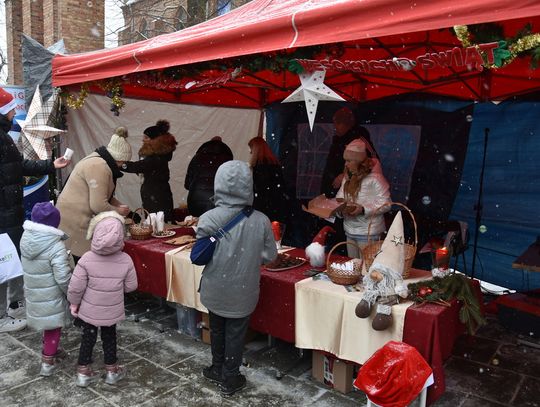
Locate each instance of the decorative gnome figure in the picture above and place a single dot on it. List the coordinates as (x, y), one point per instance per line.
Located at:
(315, 251)
(384, 281)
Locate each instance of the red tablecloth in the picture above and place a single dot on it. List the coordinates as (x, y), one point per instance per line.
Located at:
(433, 329)
(274, 314)
(149, 259)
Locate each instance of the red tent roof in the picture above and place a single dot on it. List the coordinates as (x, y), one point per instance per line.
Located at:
(368, 29)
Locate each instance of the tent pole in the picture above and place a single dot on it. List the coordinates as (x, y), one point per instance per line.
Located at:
(479, 205)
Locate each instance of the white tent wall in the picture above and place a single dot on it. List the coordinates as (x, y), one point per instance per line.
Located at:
(93, 124)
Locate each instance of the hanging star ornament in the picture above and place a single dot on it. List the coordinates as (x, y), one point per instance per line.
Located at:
(311, 91)
(35, 128)
(397, 240)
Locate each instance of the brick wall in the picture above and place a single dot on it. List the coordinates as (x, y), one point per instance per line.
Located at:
(79, 22)
(13, 37)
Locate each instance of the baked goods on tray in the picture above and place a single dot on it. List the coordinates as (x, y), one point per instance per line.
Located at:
(284, 261)
(181, 240)
(188, 221)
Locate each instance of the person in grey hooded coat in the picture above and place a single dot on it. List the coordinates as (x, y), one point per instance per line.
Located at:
(230, 281)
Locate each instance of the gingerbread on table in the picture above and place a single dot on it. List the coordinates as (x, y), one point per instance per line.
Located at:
(383, 284)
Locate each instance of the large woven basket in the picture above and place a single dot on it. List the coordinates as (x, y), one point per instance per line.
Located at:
(343, 277)
(370, 251)
(140, 231)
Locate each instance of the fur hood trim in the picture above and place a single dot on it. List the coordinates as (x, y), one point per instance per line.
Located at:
(40, 227)
(99, 217)
(160, 145)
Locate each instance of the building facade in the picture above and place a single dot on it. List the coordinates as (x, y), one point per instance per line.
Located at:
(149, 18)
(79, 22)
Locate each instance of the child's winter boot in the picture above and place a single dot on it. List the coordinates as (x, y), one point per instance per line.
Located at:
(85, 376)
(115, 373)
(48, 365)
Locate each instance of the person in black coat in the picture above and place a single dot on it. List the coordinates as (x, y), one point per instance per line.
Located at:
(201, 172)
(346, 131)
(268, 182)
(155, 153)
(12, 169)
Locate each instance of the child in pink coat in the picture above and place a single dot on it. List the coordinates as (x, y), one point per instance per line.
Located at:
(96, 294)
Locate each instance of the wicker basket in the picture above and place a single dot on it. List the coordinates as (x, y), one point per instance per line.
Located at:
(343, 277)
(370, 251)
(138, 231)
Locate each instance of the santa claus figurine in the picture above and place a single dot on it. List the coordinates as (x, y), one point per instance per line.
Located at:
(315, 251)
(383, 284)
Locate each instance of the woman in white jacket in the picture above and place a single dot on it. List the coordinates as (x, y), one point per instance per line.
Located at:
(365, 190)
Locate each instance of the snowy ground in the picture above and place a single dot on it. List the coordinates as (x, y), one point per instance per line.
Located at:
(164, 369)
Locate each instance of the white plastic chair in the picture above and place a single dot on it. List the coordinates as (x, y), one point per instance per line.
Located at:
(422, 396)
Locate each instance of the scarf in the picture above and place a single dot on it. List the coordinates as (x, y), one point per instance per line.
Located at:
(103, 153)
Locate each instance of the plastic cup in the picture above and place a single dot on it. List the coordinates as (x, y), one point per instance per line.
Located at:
(68, 154)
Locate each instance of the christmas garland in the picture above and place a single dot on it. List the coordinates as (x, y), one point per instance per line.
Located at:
(525, 42)
(440, 290)
(113, 88)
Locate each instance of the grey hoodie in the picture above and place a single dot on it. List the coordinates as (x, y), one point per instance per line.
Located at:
(230, 282)
(46, 276)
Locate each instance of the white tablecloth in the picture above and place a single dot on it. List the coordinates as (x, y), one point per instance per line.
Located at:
(325, 320)
(183, 279)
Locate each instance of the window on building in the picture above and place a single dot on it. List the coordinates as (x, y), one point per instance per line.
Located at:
(143, 30)
(181, 18)
(223, 6)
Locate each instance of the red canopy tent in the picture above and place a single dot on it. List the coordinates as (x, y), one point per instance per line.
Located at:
(369, 30)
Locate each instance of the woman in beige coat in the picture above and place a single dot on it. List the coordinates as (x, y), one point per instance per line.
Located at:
(89, 190)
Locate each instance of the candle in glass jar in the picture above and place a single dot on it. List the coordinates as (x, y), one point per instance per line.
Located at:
(442, 258)
(276, 228)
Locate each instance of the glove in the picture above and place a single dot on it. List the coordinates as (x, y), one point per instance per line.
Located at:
(74, 310)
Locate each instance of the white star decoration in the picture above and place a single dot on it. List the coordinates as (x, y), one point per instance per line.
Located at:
(311, 91)
(35, 127)
(397, 240)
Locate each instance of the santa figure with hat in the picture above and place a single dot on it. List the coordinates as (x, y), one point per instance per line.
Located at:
(13, 167)
(383, 285)
(315, 252)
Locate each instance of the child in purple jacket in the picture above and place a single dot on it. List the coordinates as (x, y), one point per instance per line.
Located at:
(96, 294)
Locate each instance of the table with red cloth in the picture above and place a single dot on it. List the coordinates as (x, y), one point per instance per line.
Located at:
(149, 259)
(274, 314)
(433, 329)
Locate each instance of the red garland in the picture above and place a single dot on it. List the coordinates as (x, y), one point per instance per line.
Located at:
(455, 57)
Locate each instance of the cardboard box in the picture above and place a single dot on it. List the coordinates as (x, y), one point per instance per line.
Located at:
(205, 328)
(323, 207)
(332, 371)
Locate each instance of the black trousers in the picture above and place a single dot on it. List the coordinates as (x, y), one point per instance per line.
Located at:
(89, 337)
(227, 336)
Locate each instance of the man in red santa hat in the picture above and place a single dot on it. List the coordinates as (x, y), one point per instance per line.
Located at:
(12, 169)
(315, 252)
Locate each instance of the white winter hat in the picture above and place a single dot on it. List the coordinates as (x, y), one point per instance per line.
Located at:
(98, 218)
(391, 257)
(118, 147)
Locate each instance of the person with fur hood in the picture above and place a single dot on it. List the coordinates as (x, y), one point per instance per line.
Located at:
(46, 277)
(155, 153)
(96, 294)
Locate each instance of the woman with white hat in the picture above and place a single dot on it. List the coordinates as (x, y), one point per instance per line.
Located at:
(89, 190)
(365, 191)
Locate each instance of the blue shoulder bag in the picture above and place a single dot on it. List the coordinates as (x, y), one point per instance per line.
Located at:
(203, 250)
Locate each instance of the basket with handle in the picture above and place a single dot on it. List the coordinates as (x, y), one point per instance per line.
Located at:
(140, 231)
(373, 246)
(343, 277)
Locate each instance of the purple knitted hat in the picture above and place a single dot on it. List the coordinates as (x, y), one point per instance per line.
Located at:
(46, 214)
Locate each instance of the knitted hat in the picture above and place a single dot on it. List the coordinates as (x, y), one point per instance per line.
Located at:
(356, 146)
(99, 217)
(7, 102)
(46, 214)
(391, 257)
(118, 147)
(161, 128)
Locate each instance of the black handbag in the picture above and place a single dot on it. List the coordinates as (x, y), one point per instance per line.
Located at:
(203, 249)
